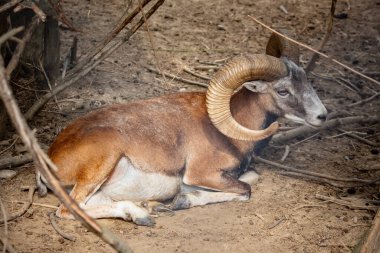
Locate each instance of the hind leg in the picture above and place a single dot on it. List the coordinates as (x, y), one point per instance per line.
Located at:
(87, 193)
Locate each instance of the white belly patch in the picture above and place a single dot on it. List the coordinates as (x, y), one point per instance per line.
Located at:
(130, 183)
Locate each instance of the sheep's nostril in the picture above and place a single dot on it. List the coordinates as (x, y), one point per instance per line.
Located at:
(322, 117)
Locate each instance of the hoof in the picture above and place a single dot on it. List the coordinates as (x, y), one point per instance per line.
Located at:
(146, 221)
(180, 202)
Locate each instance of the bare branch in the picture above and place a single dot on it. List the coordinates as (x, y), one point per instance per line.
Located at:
(311, 64)
(314, 174)
(9, 5)
(20, 47)
(315, 51)
(6, 36)
(307, 130)
(177, 78)
(79, 72)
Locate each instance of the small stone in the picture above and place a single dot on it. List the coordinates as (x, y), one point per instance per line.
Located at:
(61, 240)
(355, 219)
(220, 28)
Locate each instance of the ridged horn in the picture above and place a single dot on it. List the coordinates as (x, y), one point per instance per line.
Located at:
(278, 46)
(238, 71)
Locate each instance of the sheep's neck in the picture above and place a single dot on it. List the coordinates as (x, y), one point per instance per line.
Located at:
(252, 110)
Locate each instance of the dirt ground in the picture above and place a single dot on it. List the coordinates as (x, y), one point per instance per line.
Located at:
(283, 214)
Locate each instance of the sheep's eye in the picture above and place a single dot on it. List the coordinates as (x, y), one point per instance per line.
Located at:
(283, 92)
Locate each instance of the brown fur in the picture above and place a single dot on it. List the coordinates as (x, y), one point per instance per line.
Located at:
(169, 135)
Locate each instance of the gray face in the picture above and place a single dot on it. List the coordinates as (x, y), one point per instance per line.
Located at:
(294, 96)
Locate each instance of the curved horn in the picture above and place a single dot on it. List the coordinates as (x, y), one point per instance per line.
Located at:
(278, 46)
(238, 71)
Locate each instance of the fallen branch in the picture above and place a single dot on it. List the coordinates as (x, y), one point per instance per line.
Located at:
(196, 74)
(314, 174)
(78, 72)
(59, 230)
(355, 136)
(8, 247)
(15, 161)
(311, 64)
(24, 208)
(371, 241)
(9, 5)
(318, 179)
(346, 203)
(6, 36)
(177, 78)
(307, 130)
(20, 47)
(315, 51)
(366, 100)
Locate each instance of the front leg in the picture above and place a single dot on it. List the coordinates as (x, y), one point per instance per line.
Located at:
(214, 187)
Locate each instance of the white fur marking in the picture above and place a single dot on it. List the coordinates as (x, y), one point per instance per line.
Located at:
(250, 177)
(130, 183)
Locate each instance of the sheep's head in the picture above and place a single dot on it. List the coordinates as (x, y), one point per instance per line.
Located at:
(280, 78)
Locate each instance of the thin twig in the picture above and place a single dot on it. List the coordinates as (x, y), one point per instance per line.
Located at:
(20, 47)
(5, 217)
(10, 146)
(151, 41)
(61, 14)
(6, 36)
(318, 179)
(361, 102)
(178, 78)
(345, 203)
(80, 71)
(9, 5)
(59, 230)
(49, 84)
(196, 74)
(25, 207)
(307, 130)
(315, 51)
(311, 64)
(35, 204)
(276, 223)
(371, 143)
(9, 247)
(314, 174)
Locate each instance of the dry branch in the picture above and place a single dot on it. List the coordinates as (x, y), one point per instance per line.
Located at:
(196, 74)
(15, 161)
(47, 168)
(371, 242)
(24, 208)
(78, 72)
(317, 52)
(177, 78)
(314, 174)
(311, 64)
(59, 230)
(307, 130)
(346, 203)
(9, 5)
(9, 247)
(20, 47)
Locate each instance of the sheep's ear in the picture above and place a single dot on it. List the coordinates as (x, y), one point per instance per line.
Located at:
(257, 86)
